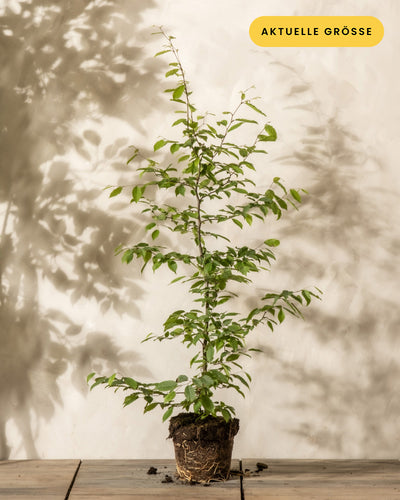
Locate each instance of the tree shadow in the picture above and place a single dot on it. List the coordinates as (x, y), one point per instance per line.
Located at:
(342, 237)
(62, 64)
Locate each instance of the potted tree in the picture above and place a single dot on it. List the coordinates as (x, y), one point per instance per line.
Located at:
(206, 172)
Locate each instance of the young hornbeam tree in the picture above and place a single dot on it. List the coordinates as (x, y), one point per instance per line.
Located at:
(207, 166)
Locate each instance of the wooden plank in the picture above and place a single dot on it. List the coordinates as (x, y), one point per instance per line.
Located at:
(322, 479)
(27, 479)
(128, 479)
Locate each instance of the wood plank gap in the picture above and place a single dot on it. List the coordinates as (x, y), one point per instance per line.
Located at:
(241, 480)
(73, 480)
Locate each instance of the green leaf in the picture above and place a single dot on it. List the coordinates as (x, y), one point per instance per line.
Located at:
(184, 158)
(177, 279)
(150, 226)
(172, 265)
(190, 393)
(137, 193)
(177, 122)
(250, 105)
(281, 203)
(159, 144)
(207, 404)
(238, 223)
(167, 414)
(210, 353)
(99, 380)
(295, 195)
(178, 92)
(149, 407)
(167, 385)
(155, 234)
(245, 120)
(272, 135)
(171, 72)
(127, 257)
(132, 383)
(272, 243)
(281, 315)
(218, 376)
(115, 192)
(169, 397)
(180, 190)
(130, 399)
(237, 125)
(226, 415)
(174, 147)
(111, 379)
(197, 406)
(248, 218)
(90, 376)
(242, 380)
(132, 157)
(181, 378)
(306, 294)
(162, 52)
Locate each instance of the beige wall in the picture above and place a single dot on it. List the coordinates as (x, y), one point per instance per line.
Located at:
(326, 387)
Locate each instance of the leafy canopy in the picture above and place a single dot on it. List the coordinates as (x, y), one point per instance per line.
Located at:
(205, 168)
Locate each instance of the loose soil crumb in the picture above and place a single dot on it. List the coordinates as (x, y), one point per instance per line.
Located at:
(261, 466)
(168, 479)
(152, 470)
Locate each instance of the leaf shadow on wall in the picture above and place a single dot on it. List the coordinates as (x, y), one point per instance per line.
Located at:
(61, 63)
(349, 407)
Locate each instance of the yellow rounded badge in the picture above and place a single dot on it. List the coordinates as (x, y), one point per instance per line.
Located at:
(316, 31)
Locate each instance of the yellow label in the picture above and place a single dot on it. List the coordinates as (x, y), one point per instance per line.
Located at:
(316, 31)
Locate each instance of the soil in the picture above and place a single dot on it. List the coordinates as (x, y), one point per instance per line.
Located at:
(203, 447)
(261, 466)
(234, 473)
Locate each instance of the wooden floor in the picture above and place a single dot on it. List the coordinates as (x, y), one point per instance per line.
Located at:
(129, 479)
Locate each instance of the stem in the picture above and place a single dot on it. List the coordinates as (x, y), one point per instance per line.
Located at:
(201, 247)
(189, 114)
(199, 237)
(233, 114)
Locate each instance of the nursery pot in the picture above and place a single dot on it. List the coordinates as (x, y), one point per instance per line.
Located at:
(203, 447)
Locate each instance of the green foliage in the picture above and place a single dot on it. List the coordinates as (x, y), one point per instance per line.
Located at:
(206, 165)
